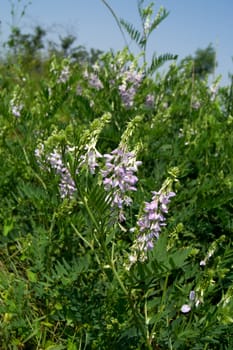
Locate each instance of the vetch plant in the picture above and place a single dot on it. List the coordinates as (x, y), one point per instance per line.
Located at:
(16, 103)
(16, 108)
(90, 158)
(130, 84)
(64, 75)
(150, 223)
(89, 154)
(119, 177)
(93, 80)
(67, 185)
(153, 218)
(73, 274)
(193, 301)
(150, 100)
(140, 37)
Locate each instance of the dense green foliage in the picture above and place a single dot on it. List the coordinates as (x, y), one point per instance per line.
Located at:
(67, 278)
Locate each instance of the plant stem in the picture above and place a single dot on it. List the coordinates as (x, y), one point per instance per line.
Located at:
(111, 263)
(161, 307)
(117, 21)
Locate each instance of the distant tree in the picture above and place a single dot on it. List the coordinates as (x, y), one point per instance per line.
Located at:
(26, 44)
(204, 61)
(66, 43)
(66, 48)
(27, 49)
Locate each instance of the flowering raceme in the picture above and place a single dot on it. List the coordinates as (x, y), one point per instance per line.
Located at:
(118, 177)
(64, 75)
(16, 107)
(90, 158)
(129, 86)
(93, 80)
(153, 219)
(150, 223)
(67, 185)
(127, 94)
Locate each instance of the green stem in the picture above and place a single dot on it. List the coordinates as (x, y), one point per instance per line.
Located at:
(161, 307)
(87, 243)
(82, 238)
(117, 21)
(90, 213)
(136, 315)
(111, 263)
(146, 321)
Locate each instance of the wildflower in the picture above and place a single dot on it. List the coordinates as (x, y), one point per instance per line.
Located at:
(150, 100)
(181, 133)
(118, 177)
(129, 86)
(193, 301)
(85, 74)
(153, 219)
(67, 185)
(16, 108)
(96, 67)
(94, 81)
(213, 91)
(64, 76)
(39, 151)
(90, 158)
(149, 225)
(55, 161)
(133, 77)
(127, 95)
(192, 295)
(185, 308)
(209, 254)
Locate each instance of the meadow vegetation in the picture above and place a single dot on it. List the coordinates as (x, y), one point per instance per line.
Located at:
(116, 189)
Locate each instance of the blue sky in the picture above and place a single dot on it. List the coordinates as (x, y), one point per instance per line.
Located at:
(191, 24)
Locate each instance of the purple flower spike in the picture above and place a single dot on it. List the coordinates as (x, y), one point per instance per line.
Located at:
(94, 81)
(150, 223)
(128, 89)
(67, 185)
(118, 177)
